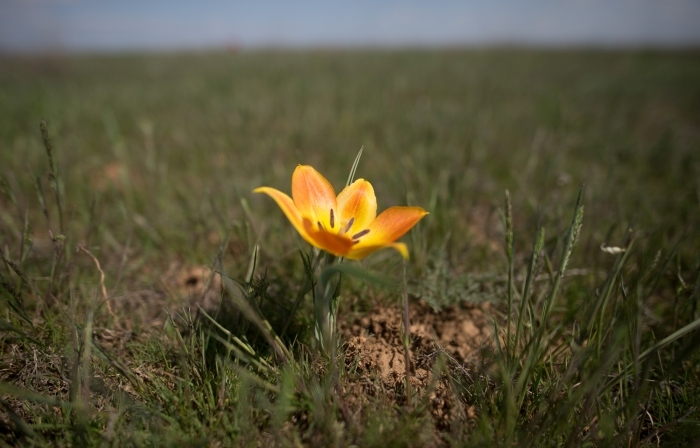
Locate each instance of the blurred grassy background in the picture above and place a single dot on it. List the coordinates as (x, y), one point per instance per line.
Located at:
(448, 129)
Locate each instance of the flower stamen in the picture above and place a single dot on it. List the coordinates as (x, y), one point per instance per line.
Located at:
(350, 223)
(332, 220)
(360, 234)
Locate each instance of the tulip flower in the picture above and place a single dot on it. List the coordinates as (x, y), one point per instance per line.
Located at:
(347, 225)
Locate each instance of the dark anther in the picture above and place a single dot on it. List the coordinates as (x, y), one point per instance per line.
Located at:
(332, 220)
(320, 226)
(350, 223)
(359, 234)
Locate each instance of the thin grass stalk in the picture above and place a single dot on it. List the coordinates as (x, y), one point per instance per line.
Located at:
(26, 241)
(571, 238)
(602, 302)
(654, 281)
(87, 354)
(696, 293)
(511, 262)
(637, 341)
(54, 264)
(511, 409)
(539, 243)
(252, 265)
(406, 337)
(7, 190)
(22, 279)
(353, 169)
(80, 393)
(40, 196)
(53, 172)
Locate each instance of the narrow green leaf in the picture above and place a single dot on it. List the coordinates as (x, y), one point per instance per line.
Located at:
(351, 177)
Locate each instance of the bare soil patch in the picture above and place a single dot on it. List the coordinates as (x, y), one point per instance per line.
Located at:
(375, 355)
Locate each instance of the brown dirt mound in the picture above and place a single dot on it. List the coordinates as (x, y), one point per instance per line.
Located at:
(460, 331)
(375, 351)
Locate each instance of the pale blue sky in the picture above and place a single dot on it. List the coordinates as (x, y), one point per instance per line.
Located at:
(77, 25)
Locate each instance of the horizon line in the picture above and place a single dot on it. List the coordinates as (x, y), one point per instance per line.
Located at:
(233, 47)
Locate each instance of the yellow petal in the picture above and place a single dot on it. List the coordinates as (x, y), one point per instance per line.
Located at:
(290, 210)
(357, 206)
(389, 226)
(331, 242)
(314, 196)
(361, 252)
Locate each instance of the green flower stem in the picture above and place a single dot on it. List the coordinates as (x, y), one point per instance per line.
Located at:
(325, 303)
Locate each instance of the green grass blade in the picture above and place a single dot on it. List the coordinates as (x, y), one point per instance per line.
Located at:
(351, 176)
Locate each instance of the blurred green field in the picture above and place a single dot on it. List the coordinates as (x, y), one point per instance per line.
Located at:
(157, 158)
